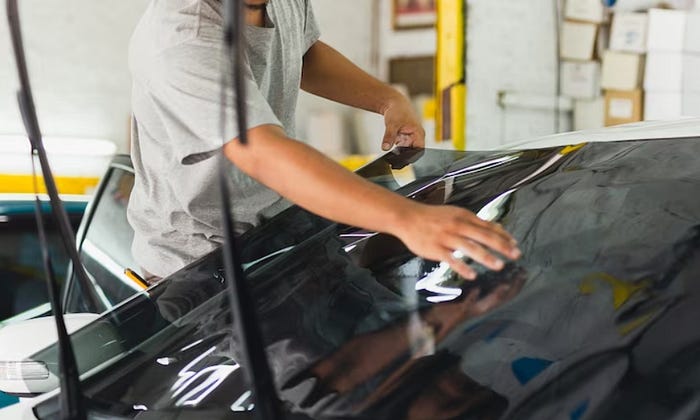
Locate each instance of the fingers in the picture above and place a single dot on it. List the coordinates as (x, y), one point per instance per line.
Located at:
(458, 265)
(476, 252)
(411, 137)
(401, 136)
(389, 137)
(492, 237)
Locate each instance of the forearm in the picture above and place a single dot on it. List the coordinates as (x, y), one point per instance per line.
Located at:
(328, 74)
(311, 180)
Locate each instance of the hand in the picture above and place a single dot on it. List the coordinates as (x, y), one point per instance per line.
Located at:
(403, 127)
(435, 232)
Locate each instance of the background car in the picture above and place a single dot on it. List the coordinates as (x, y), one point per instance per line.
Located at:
(22, 279)
(104, 240)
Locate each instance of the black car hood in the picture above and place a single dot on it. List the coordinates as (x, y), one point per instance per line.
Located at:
(597, 320)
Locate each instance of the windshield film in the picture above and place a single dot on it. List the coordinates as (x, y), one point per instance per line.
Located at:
(597, 317)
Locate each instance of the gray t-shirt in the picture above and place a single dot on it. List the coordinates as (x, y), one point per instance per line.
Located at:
(176, 59)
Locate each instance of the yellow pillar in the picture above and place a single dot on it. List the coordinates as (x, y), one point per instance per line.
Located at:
(450, 73)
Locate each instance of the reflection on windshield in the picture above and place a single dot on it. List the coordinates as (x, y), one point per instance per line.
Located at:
(434, 283)
(207, 380)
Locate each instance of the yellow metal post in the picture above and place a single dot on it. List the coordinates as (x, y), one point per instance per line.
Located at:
(450, 73)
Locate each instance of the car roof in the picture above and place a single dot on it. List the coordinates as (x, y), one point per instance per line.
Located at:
(647, 130)
(122, 160)
(23, 204)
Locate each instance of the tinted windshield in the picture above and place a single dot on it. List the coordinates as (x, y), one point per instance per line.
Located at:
(355, 325)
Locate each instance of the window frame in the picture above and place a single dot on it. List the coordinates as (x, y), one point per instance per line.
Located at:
(119, 162)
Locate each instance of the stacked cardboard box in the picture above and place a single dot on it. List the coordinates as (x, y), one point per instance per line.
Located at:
(623, 69)
(672, 82)
(646, 63)
(583, 40)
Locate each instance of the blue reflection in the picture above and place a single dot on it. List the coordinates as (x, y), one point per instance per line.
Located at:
(526, 368)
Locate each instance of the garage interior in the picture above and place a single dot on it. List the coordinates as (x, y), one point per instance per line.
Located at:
(484, 76)
(631, 63)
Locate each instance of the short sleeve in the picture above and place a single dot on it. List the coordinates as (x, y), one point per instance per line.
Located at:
(312, 33)
(188, 93)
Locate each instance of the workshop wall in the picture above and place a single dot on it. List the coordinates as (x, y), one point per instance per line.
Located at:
(511, 52)
(363, 31)
(348, 27)
(77, 57)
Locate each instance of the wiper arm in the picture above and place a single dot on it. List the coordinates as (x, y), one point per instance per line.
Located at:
(71, 398)
(31, 124)
(245, 319)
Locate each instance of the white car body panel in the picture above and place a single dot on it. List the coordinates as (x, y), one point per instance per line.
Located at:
(687, 127)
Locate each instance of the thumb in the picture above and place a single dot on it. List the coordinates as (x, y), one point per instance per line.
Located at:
(389, 138)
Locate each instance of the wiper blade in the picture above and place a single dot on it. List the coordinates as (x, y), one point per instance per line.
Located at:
(245, 319)
(71, 398)
(31, 124)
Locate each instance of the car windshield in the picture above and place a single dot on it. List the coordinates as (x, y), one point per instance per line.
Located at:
(152, 318)
(355, 325)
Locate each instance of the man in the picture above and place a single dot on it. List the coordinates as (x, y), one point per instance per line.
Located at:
(176, 58)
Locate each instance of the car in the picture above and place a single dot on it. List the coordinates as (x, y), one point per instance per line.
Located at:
(22, 284)
(596, 321)
(104, 238)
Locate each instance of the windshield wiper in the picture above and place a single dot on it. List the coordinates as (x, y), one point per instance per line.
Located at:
(71, 398)
(31, 124)
(245, 319)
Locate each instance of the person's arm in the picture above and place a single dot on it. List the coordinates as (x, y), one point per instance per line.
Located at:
(313, 181)
(328, 74)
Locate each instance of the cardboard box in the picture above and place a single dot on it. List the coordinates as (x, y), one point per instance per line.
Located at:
(671, 105)
(623, 107)
(638, 5)
(673, 31)
(672, 72)
(622, 71)
(629, 32)
(578, 40)
(580, 80)
(589, 113)
(585, 10)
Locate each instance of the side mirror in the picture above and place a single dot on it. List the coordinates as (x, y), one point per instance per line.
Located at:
(20, 374)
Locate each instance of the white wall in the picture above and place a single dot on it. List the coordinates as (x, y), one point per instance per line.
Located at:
(511, 48)
(77, 58)
(346, 25)
(363, 31)
(404, 43)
